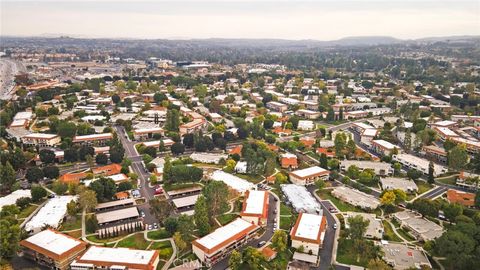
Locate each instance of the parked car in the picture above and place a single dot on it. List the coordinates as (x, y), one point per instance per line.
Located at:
(149, 227)
(335, 226)
(261, 244)
(155, 225)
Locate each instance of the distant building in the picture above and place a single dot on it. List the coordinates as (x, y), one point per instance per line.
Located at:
(375, 226)
(422, 229)
(402, 257)
(289, 161)
(383, 147)
(41, 139)
(356, 197)
(308, 176)
(93, 139)
(464, 198)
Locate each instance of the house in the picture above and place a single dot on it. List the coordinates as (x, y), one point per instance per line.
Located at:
(307, 141)
(107, 170)
(329, 153)
(402, 256)
(52, 249)
(375, 226)
(308, 114)
(241, 167)
(435, 153)
(210, 158)
(93, 139)
(419, 164)
(383, 147)
(41, 139)
(277, 106)
(445, 133)
(72, 177)
(216, 118)
(146, 133)
(309, 232)
(193, 126)
(269, 253)
(305, 125)
(356, 197)
(234, 182)
(380, 168)
(255, 207)
(367, 136)
(464, 198)
(221, 242)
(288, 161)
(98, 257)
(308, 176)
(52, 214)
(301, 199)
(422, 229)
(390, 183)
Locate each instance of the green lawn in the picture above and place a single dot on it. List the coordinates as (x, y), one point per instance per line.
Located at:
(449, 180)
(27, 211)
(286, 223)
(170, 187)
(164, 248)
(405, 234)
(423, 186)
(250, 178)
(72, 223)
(158, 234)
(285, 210)
(281, 260)
(348, 255)
(226, 218)
(75, 234)
(135, 241)
(94, 238)
(342, 206)
(389, 234)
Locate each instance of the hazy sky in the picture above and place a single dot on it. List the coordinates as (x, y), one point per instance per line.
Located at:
(287, 19)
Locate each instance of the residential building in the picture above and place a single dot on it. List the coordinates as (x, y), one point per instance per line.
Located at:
(193, 126)
(464, 198)
(93, 139)
(380, 168)
(308, 176)
(383, 147)
(221, 242)
(300, 199)
(208, 157)
(234, 182)
(255, 207)
(52, 249)
(41, 139)
(308, 114)
(309, 232)
(419, 164)
(402, 256)
(435, 153)
(277, 106)
(146, 133)
(422, 229)
(390, 183)
(51, 214)
(289, 161)
(356, 197)
(97, 257)
(375, 228)
(306, 125)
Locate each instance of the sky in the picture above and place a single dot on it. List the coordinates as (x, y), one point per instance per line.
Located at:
(284, 19)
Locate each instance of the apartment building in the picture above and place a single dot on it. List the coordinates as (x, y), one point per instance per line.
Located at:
(41, 139)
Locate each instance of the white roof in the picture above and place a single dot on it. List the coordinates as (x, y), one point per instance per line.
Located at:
(92, 136)
(41, 136)
(447, 131)
(23, 115)
(148, 130)
(445, 123)
(185, 201)
(54, 242)
(118, 177)
(309, 171)
(232, 181)
(222, 234)
(363, 125)
(12, 197)
(151, 143)
(215, 115)
(369, 132)
(301, 199)
(254, 202)
(385, 144)
(93, 117)
(115, 215)
(309, 226)
(51, 213)
(288, 155)
(118, 255)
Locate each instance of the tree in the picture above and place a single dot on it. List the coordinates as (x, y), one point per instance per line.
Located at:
(123, 186)
(279, 240)
(458, 248)
(216, 195)
(23, 202)
(477, 199)
(116, 98)
(70, 155)
(84, 151)
(414, 174)
(201, 216)
(253, 257)
(388, 198)
(280, 178)
(170, 224)
(104, 188)
(407, 142)
(377, 264)
(320, 184)
(116, 154)
(358, 227)
(400, 196)
(452, 210)
(177, 148)
(7, 177)
(179, 242)
(18, 159)
(101, 159)
(458, 157)
(51, 172)
(340, 142)
(34, 174)
(9, 238)
(38, 192)
(59, 187)
(323, 161)
(66, 129)
(160, 208)
(189, 140)
(72, 208)
(172, 121)
(87, 199)
(425, 207)
(185, 226)
(151, 151)
(431, 170)
(235, 260)
(351, 148)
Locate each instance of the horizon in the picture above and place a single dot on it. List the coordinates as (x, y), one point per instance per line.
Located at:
(325, 20)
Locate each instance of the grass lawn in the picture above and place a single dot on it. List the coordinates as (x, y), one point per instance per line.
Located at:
(285, 210)
(405, 234)
(160, 264)
(286, 223)
(449, 180)
(281, 260)
(342, 206)
(135, 241)
(423, 186)
(250, 178)
(389, 234)
(27, 211)
(94, 238)
(164, 248)
(170, 187)
(158, 234)
(75, 234)
(72, 223)
(226, 218)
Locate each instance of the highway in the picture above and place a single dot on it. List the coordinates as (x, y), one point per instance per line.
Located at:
(8, 69)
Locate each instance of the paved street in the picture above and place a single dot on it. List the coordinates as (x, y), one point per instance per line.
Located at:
(434, 192)
(8, 69)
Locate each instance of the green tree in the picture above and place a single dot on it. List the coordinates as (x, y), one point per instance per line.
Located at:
(235, 260)
(323, 161)
(358, 227)
(201, 216)
(172, 121)
(160, 208)
(179, 242)
(34, 174)
(351, 148)
(7, 177)
(9, 238)
(253, 257)
(177, 148)
(216, 195)
(340, 142)
(279, 240)
(431, 171)
(38, 192)
(320, 184)
(101, 159)
(458, 157)
(452, 210)
(388, 198)
(51, 172)
(167, 170)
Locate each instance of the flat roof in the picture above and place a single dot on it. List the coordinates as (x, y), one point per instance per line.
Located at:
(445, 123)
(356, 197)
(40, 136)
(363, 125)
(309, 226)
(385, 144)
(398, 183)
(309, 171)
(301, 199)
(118, 177)
(370, 132)
(255, 202)
(52, 213)
(115, 215)
(12, 197)
(235, 182)
(147, 130)
(92, 137)
(225, 234)
(52, 241)
(115, 203)
(403, 256)
(185, 201)
(184, 190)
(446, 131)
(118, 255)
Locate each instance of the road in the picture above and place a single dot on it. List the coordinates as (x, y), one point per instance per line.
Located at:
(143, 176)
(223, 264)
(434, 192)
(8, 69)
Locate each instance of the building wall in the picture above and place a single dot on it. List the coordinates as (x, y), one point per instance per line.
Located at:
(307, 246)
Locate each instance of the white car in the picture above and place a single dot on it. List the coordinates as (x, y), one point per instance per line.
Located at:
(150, 227)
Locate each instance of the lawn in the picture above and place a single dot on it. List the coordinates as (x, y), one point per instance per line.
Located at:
(285, 210)
(72, 223)
(405, 234)
(423, 186)
(27, 211)
(342, 206)
(226, 218)
(449, 180)
(170, 187)
(164, 248)
(94, 238)
(251, 178)
(389, 234)
(158, 234)
(286, 223)
(135, 241)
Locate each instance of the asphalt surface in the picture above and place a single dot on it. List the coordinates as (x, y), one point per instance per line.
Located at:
(143, 176)
(434, 192)
(8, 69)
(223, 264)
